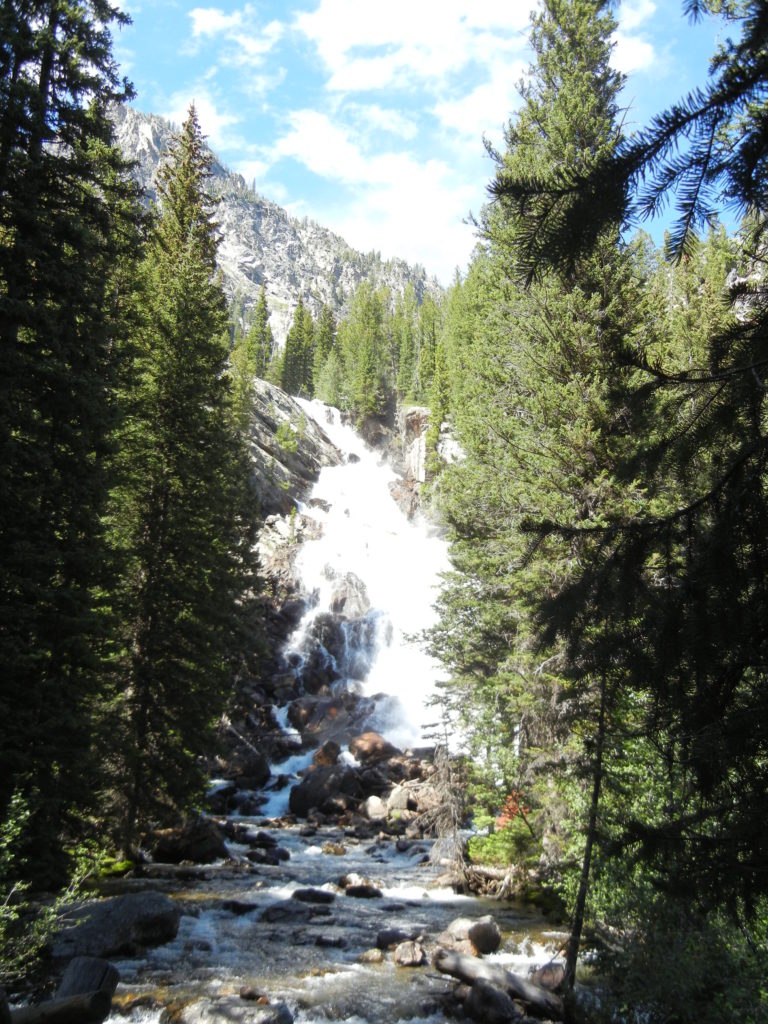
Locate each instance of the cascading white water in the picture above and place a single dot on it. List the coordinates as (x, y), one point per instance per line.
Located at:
(366, 533)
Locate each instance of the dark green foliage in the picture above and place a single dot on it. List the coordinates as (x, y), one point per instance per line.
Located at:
(325, 341)
(708, 149)
(298, 355)
(67, 228)
(180, 514)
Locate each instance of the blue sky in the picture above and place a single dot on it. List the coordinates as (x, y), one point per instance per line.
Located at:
(369, 117)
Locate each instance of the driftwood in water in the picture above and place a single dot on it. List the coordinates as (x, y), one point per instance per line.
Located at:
(81, 1009)
(490, 881)
(468, 969)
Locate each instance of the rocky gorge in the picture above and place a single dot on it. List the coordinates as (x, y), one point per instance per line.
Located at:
(321, 881)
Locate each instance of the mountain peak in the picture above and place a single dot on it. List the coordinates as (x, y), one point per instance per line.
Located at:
(261, 243)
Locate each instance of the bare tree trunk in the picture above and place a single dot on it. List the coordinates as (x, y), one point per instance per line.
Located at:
(577, 925)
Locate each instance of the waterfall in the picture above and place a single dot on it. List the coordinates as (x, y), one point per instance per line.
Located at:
(366, 539)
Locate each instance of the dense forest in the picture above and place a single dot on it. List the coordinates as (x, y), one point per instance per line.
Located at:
(604, 625)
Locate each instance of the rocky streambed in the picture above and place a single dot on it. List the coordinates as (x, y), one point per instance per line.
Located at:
(340, 926)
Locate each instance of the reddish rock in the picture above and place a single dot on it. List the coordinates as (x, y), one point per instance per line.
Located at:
(370, 747)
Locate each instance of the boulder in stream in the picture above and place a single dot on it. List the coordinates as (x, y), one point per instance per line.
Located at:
(370, 747)
(335, 787)
(199, 841)
(234, 1010)
(409, 954)
(121, 924)
(490, 1005)
(483, 934)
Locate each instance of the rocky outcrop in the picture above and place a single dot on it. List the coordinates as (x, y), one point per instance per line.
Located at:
(287, 449)
(262, 244)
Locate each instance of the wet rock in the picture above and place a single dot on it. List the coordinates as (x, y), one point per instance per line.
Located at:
(199, 841)
(234, 1010)
(349, 596)
(238, 907)
(484, 935)
(390, 937)
(122, 924)
(313, 895)
(371, 956)
(264, 840)
(465, 935)
(335, 787)
(251, 994)
(271, 857)
(409, 954)
(490, 1005)
(253, 771)
(407, 496)
(375, 809)
(366, 891)
(371, 747)
(334, 849)
(331, 942)
(550, 976)
(328, 754)
(293, 911)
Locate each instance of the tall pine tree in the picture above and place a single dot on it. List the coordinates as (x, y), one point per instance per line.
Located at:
(179, 514)
(67, 228)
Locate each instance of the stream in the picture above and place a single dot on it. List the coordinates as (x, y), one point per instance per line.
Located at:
(292, 933)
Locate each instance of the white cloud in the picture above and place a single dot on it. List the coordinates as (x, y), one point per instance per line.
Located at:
(392, 201)
(210, 21)
(215, 123)
(252, 170)
(633, 13)
(410, 42)
(486, 109)
(372, 117)
(244, 47)
(632, 53)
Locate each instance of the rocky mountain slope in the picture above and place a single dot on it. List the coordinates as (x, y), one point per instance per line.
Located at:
(262, 244)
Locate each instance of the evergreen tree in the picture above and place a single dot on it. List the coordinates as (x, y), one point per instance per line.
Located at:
(67, 234)
(251, 357)
(541, 424)
(260, 341)
(679, 588)
(325, 340)
(179, 513)
(297, 366)
(404, 331)
(362, 338)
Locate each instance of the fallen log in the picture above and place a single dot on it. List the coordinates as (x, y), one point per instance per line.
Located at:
(80, 1009)
(468, 969)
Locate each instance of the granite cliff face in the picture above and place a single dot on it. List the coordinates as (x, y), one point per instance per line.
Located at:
(262, 244)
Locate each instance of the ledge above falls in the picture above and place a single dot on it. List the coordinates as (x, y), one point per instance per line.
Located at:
(287, 449)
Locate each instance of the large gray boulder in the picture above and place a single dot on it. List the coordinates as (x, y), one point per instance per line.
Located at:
(120, 925)
(334, 787)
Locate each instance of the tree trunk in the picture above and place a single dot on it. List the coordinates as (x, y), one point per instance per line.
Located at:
(581, 897)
